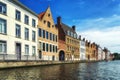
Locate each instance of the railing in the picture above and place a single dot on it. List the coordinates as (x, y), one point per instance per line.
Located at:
(4, 57)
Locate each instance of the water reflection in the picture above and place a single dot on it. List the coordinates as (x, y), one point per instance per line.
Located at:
(82, 71)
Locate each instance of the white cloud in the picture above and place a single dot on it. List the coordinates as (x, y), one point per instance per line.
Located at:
(109, 38)
(103, 31)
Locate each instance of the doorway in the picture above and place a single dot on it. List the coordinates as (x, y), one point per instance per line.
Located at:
(18, 51)
(61, 56)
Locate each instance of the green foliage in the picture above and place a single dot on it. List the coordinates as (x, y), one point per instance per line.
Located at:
(116, 56)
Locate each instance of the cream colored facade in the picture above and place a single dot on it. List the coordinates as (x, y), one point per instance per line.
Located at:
(46, 31)
(10, 38)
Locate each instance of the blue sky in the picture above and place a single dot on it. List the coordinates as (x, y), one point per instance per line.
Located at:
(96, 20)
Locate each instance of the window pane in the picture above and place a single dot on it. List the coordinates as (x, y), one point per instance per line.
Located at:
(39, 32)
(33, 50)
(2, 26)
(26, 20)
(43, 33)
(33, 22)
(18, 15)
(27, 49)
(48, 24)
(33, 36)
(46, 34)
(26, 34)
(18, 31)
(47, 47)
(3, 47)
(2, 8)
(43, 46)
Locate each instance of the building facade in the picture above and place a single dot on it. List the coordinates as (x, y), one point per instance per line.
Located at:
(70, 41)
(18, 31)
(88, 50)
(82, 49)
(100, 51)
(93, 51)
(61, 40)
(47, 36)
(103, 55)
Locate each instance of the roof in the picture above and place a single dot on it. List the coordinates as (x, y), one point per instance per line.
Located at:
(18, 3)
(66, 28)
(40, 16)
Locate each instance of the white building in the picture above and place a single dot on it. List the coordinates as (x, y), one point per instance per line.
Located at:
(82, 50)
(18, 31)
(103, 55)
(100, 51)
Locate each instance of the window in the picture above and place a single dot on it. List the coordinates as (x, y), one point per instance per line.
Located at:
(40, 45)
(3, 8)
(26, 21)
(18, 15)
(52, 25)
(33, 50)
(53, 37)
(46, 34)
(82, 43)
(75, 35)
(56, 38)
(44, 21)
(39, 32)
(33, 36)
(68, 33)
(26, 49)
(53, 48)
(26, 34)
(50, 48)
(56, 49)
(18, 31)
(3, 47)
(48, 24)
(49, 15)
(43, 33)
(50, 36)
(33, 22)
(47, 47)
(3, 26)
(72, 34)
(43, 46)
(82, 50)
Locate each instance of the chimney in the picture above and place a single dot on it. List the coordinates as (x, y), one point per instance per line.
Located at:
(83, 39)
(59, 20)
(73, 27)
(79, 37)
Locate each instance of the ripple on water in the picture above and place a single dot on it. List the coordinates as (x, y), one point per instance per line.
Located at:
(82, 71)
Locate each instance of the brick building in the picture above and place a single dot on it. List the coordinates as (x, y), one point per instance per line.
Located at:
(69, 44)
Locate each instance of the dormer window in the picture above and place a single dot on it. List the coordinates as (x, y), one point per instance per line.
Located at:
(48, 24)
(49, 15)
(68, 33)
(75, 35)
(71, 34)
(52, 25)
(44, 21)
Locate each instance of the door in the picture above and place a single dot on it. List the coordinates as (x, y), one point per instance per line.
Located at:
(53, 58)
(18, 51)
(40, 54)
(61, 56)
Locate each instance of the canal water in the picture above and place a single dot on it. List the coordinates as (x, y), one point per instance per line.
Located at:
(83, 71)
